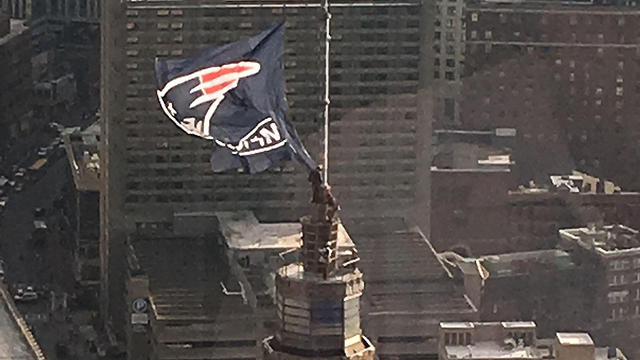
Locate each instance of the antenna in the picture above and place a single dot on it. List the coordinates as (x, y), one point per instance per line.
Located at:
(326, 92)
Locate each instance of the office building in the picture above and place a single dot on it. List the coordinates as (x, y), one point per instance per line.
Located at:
(379, 146)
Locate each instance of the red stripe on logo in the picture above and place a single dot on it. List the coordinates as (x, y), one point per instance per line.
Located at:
(225, 70)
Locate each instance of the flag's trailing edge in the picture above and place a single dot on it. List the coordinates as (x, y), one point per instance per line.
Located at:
(234, 95)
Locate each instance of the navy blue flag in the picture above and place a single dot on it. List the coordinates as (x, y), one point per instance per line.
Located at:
(234, 95)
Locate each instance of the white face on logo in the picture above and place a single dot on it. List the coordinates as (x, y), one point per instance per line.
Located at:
(212, 84)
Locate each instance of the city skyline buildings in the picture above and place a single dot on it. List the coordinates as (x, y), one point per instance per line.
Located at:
(155, 177)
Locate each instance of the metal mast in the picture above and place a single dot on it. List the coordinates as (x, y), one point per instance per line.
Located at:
(326, 92)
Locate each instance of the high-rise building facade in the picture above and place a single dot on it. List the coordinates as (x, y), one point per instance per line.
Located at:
(449, 53)
(379, 149)
(563, 75)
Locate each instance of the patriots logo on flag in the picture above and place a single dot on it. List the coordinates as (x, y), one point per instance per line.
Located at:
(234, 96)
(209, 87)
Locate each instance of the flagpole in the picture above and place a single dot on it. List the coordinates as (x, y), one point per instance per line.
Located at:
(326, 92)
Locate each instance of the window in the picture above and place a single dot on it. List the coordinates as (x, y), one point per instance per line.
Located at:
(619, 91)
(451, 10)
(451, 63)
(488, 34)
(474, 34)
(450, 23)
(451, 50)
(636, 263)
(616, 297)
(474, 17)
(450, 75)
(451, 36)
(573, 20)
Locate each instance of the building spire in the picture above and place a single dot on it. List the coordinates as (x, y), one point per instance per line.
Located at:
(327, 101)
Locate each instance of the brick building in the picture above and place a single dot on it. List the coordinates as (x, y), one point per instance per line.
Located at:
(480, 216)
(535, 215)
(610, 258)
(563, 75)
(379, 134)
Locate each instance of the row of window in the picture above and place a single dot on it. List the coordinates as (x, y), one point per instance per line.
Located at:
(622, 279)
(573, 19)
(448, 75)
(622, 313)
(624, 264)
(457, 338)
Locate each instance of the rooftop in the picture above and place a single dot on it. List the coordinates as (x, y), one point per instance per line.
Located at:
(604, 240)
(521, 262)
(243, 231)
(82, 151)
(495, 340)
(574, 339)
(17, 28)
(402, 272)
(184, 274)
(575, 183)
(490, 350)
(473, 149)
